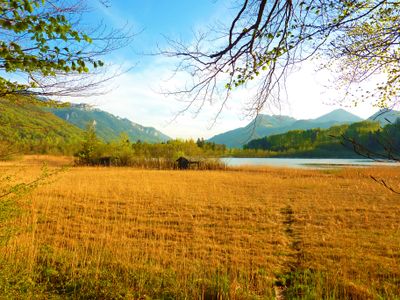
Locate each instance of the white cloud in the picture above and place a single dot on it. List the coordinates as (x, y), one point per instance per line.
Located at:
(136, 96)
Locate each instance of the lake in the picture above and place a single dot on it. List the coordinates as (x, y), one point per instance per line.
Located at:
(312, 163)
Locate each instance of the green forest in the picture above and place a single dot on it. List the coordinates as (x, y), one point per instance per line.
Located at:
(27, 128)
(365, 138)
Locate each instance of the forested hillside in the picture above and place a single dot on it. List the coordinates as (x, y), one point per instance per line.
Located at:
(31, 130)
(332, 142)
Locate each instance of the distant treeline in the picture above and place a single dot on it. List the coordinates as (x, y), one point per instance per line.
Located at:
(123, 152)
(365, 137)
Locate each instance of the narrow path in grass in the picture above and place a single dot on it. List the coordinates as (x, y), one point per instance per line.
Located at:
(284, 281)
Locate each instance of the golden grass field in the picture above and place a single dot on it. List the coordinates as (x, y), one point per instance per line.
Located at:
(108, 233)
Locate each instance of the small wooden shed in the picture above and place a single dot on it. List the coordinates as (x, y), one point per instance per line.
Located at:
(183, 163)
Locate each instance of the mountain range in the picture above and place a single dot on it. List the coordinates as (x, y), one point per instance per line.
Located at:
(27, 123)
(108, 127)
(266, 125)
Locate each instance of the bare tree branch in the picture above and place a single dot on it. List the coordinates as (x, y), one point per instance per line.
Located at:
(266, 39)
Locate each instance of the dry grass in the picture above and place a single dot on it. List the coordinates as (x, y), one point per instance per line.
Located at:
(129, 233)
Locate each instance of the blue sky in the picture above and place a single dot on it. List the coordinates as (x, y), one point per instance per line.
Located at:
(154, 20)
(163, 16)
(136, 94)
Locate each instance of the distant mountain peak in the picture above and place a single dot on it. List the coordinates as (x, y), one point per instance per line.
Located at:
(339, 115)
(272, 120)
(83, 106)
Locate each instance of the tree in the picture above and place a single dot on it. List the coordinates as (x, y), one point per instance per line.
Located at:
(44, 41)
(89, 152)
(367, 48)
(356, 38)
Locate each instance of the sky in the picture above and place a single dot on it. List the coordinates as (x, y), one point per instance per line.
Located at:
(137, 94)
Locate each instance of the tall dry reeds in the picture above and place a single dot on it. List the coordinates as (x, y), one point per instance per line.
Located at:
(134, 233)
(159, 163)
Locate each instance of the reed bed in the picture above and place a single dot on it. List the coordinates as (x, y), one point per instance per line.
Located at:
(130, 233)
(153, 163)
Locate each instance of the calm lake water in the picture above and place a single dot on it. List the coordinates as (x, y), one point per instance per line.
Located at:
(304, 162)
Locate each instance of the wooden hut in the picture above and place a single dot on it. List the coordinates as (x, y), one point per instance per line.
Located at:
(183, 163)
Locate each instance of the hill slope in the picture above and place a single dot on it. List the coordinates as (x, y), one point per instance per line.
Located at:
(385, 116)
(261, 126)
(33, 129)
(265, 125)
(108, 126)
